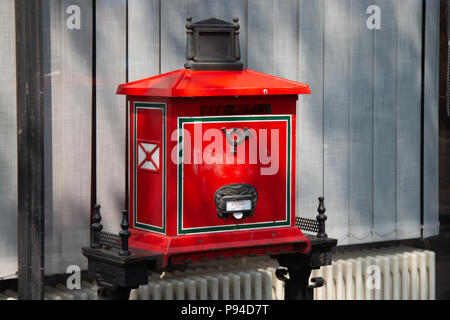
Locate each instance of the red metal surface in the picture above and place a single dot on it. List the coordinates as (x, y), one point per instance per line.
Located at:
(281, 105)
(149, 173)
(188, 83)
(205, 179)
(201, 181)
(195, 248)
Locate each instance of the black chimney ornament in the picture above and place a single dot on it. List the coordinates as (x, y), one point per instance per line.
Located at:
(96, 227)
(125, 234)
(213, 44)
(321, 218)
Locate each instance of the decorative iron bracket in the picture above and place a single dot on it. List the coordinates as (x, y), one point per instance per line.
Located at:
(117, 268)
(299, 266)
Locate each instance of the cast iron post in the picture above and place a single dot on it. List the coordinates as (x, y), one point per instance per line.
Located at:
(30, 148)
(321, 218)
(125, 235)
(96, 228)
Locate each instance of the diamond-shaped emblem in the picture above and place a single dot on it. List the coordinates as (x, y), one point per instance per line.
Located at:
(149, 156)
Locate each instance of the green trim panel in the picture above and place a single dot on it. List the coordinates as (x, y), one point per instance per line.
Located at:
(262, 225)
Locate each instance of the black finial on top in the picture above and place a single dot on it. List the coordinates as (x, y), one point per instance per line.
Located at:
(96, 227)
(236, 23)
(213, 44)
(125, 235)
(321, 218)
(189, 23)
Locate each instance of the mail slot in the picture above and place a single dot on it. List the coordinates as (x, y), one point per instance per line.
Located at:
(237, 200)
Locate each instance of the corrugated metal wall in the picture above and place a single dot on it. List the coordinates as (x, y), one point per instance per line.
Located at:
(68, 110)
(8, 142)
(359, 133)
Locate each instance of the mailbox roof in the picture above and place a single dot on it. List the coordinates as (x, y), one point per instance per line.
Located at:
(188, 83)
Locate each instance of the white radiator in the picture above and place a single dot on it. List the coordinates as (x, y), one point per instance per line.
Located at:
(382, 274)
(404, 274)
(250, 281)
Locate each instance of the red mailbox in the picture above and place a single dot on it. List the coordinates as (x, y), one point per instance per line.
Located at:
(212, 161)
(212, 157)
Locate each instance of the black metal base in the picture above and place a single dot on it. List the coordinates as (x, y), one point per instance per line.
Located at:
(211, 66)
(296, 286)
(117, 275)
(120, 293)
(299, 267)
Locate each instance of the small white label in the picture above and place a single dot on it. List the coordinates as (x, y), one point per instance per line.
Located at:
(241, 205)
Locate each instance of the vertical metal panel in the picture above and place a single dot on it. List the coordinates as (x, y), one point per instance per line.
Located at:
(226, 11)
(8, 142)
(143, 39)
(286, 39)
(260, 33)
(310, 111)
(68, 103)
(173, 36)
(431, 121)
(384, 123)
(409, 118)
(53, 17)
(336, 116)
(74, 129)
(111, 110)
(285, 50)
(361, 124)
